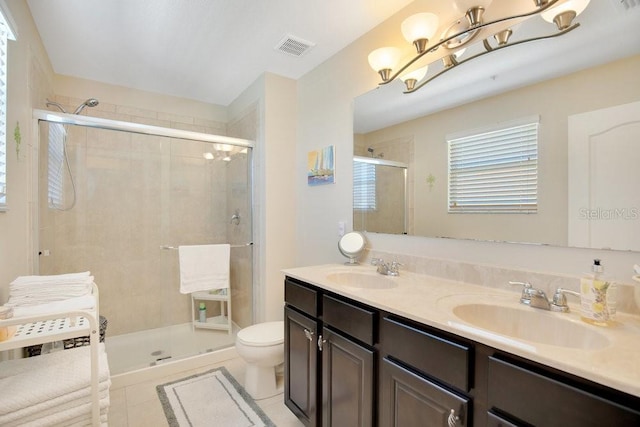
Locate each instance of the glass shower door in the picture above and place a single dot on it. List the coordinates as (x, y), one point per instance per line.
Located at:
(132, 195)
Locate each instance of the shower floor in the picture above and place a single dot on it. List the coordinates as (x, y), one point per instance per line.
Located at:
(138, 350)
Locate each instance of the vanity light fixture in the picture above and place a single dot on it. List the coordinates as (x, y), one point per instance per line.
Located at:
(419, 29)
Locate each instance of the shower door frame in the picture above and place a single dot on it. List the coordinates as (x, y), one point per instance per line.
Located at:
(117, 125)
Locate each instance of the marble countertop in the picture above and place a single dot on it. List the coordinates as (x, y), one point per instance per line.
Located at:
(613, 361)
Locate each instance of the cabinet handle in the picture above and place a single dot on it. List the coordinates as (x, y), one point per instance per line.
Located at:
(320, 342)
(452, 420)
(308, 334)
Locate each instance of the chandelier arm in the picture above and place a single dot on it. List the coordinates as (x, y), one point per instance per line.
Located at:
(475, 28)
(559, 33)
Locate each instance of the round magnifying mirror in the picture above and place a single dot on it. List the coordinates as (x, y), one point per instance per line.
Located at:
(351, 245)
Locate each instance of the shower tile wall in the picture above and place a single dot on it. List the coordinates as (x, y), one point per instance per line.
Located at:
(129, 187)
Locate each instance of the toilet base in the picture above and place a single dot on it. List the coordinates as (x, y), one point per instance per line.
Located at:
(260, 382)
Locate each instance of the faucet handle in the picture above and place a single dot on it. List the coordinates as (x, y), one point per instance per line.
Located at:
(394, 268)
(560, 301)
(525, 298)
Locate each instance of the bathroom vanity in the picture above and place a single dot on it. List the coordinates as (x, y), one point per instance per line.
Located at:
(362, 349)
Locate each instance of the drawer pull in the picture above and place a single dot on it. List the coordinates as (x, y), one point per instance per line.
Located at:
(308, 334)
(452, 420)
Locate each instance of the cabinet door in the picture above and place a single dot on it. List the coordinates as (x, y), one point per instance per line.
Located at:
(347, 382)
(301, 366)
(408, 400)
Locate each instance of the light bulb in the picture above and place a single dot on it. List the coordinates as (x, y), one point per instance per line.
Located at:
(383, 60)
(419, 28)
(564, 13)
(417, 74)
(410, 79)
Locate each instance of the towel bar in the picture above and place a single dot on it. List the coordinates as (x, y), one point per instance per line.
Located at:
(244, 245)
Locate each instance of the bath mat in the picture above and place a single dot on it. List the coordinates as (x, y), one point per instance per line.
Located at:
(213, 398)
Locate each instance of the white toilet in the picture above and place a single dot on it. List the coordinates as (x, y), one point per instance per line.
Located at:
(262, 347)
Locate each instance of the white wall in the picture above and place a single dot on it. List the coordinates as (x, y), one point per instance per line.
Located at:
(325, 117)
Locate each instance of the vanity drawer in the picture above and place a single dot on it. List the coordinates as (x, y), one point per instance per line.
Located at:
(353, 320)
(301, 296)
(408, 399)
(544, 401)
(434, 355)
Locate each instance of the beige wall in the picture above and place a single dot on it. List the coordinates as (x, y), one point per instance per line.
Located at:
(553, 101)
(30, 80)
(274, 99)
(325, 115)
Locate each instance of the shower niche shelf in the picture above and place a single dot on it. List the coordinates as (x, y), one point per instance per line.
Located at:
(220, 322)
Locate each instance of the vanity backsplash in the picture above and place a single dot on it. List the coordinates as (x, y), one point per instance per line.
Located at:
(627, 299)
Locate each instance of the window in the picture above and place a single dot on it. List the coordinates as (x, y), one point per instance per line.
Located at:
(5, 34)
(55, 173)
(364, 186)
(495, 171)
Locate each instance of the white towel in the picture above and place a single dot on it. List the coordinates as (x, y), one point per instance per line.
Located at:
(203, 267)
(87, 302)
(34, 386)
(56, 278)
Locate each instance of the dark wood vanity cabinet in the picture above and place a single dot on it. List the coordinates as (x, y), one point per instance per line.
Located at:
(330, 360)
(424, 377)
(347, 364)
(528, 394)
(301, 366)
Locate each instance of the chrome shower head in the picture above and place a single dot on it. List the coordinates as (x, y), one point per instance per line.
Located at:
(91, 102)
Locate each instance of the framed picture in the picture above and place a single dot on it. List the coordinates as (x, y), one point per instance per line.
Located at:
(321, 166)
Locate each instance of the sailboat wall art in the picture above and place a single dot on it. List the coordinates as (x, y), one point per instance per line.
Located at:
(321, 166)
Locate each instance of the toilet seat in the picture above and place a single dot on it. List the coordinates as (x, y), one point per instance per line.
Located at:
(262, 334)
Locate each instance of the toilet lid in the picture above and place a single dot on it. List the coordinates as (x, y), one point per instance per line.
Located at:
(262, 334)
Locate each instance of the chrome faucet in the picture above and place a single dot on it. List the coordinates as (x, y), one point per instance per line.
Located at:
(385, 268)
(533, 297)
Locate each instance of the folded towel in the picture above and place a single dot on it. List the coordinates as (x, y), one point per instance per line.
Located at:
(31, 290)
(28, 384)
(203, 267)
(86, 302)
(60, 409)
(51, 292)
(56, 278)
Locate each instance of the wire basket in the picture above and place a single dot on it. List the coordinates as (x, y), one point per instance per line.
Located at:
(36, 350)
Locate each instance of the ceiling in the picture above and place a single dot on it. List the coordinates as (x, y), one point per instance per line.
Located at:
(205, 50)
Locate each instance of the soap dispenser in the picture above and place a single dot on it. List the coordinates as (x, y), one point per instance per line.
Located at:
(596, 297)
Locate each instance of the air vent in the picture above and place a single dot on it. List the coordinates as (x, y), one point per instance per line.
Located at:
(626, 4)
(294, 46)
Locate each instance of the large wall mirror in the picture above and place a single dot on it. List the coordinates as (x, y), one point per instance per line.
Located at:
(587, 195)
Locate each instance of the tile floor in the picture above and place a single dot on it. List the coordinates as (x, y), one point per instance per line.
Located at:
(138, 404)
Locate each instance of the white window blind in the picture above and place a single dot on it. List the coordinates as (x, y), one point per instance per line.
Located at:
(364, 186)
(55, 173)
(5, 34)
(495, 171)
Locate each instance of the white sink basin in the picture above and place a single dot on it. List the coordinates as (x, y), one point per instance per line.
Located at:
(362, 280)
(531, 324)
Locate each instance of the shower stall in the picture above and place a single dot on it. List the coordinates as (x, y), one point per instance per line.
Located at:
(115, 198)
